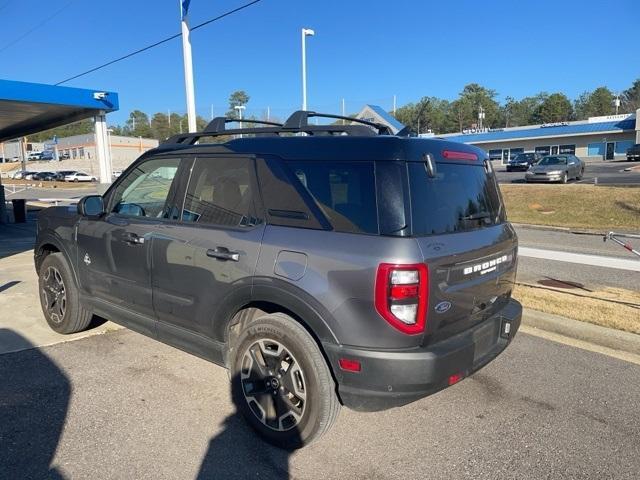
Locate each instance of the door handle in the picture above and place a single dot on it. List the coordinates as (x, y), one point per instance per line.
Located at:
(132, 238)
(223, 253)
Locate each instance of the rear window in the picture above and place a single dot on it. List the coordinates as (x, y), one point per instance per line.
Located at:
(344, 191)
(461, 197)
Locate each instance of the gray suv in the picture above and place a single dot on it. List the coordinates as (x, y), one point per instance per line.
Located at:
(323, 265)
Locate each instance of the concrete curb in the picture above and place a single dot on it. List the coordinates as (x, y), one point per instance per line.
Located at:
(587, 332)
(576, 231)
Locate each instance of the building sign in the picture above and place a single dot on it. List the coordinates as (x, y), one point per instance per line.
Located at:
(609, 118)
(472, 131)
(554, 124)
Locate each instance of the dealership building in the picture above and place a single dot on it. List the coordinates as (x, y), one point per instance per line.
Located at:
(124, 150)
(594, 139)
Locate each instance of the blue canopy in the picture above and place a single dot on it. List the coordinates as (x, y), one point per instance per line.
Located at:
(27, 108)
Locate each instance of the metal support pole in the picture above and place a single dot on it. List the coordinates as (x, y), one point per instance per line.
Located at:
(305, 32)
(102, 148)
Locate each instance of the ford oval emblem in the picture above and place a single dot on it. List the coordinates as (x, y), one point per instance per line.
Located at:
(443, 307)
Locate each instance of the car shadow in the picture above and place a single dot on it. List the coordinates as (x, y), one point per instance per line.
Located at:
(239, 453)
(34, 400)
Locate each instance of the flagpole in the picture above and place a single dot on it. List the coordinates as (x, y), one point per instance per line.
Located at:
(188, 66)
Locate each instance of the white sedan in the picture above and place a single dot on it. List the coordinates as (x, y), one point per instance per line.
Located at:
(79, 177)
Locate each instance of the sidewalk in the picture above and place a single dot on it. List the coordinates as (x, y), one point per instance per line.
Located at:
(19, 301)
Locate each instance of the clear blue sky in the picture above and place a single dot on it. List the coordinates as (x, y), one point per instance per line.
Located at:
(363, 51)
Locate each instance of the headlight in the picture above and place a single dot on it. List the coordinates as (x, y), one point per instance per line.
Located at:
(555, 172)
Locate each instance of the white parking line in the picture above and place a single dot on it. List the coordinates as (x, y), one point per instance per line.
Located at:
(581, 258)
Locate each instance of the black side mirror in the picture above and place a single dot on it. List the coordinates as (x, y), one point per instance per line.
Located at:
(91, 206)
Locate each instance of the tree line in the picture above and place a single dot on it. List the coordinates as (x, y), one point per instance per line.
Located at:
(444, 116)
(427, 114)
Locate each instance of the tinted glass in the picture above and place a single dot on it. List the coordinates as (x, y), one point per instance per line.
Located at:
(525, 157)
(146, 191)
(553, 161)
(284, 197)
(459, 198)
(220, 192)
(344, 191)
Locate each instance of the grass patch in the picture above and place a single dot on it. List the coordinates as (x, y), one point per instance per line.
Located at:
(574, 206)
(604, 307)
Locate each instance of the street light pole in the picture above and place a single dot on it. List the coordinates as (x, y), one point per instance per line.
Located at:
(305, 33)
(239, 109)
(617, 103)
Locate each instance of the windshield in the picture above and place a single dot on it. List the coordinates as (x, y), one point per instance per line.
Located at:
(459, 198)
(553, 161)
(524, 157)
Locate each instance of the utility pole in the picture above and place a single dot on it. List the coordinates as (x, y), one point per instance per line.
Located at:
(394, 105)
(268, 113)
(169, 118)
(343, 111)
(617, 102)
(188, 66)
(211, 112)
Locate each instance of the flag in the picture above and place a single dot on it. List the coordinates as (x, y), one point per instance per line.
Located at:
(185, 7)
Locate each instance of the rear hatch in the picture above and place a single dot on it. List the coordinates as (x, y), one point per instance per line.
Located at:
(458, 220)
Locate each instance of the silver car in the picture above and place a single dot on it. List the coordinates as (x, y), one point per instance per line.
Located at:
(556, 168)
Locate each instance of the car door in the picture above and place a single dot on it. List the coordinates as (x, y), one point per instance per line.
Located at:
(203, 266)
(114, 251)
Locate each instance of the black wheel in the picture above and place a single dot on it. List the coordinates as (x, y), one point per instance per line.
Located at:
(59, 296)
(565, 178)
(75, 179)
(281, 382)
(581, 174)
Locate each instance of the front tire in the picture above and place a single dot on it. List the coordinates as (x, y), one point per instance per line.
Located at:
(281, 383)
(565, 178)
(59, 296)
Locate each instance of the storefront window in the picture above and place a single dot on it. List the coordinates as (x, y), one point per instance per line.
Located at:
(622, 147)
(543, 150)
(495, 154)
(595, 149)
(515, 151)
(567, 149)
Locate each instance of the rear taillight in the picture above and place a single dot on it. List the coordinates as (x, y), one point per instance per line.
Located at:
(402, 295)
(459, 155)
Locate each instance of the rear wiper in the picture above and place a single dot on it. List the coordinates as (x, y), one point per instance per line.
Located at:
(476, 216)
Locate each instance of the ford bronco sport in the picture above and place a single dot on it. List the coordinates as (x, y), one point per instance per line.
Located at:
(323, 265)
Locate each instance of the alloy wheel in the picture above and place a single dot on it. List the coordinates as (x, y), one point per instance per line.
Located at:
(273, 385)
(54, 294)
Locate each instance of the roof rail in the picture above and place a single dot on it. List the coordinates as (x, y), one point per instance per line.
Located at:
(298, 122)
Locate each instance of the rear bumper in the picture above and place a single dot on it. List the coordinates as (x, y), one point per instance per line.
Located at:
(394, 378)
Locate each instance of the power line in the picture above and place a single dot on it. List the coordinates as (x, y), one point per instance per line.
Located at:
(36, 27)
(153, 45)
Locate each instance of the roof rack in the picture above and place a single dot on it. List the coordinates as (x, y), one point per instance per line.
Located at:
(298, 122)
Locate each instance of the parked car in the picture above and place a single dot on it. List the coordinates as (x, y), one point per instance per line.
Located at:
(21, 174)
(34, 156)
(556, 168)
(47, 155)
(63, 156)
(79, 177)
(343, 267)
(46, 176)
(523, 161)
(633, 153)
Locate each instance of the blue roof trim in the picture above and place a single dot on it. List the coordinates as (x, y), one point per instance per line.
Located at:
(390, 119)
(59, 96)
(582, 128)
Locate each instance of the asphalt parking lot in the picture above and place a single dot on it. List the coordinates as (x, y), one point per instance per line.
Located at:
(120, 405)
(607, 173)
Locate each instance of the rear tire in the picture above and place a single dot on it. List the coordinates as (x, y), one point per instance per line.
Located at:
(281, 383)
(59, 296)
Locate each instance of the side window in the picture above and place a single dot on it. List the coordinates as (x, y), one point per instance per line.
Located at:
(220, 192)
(344, 191)
(148, 190)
